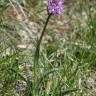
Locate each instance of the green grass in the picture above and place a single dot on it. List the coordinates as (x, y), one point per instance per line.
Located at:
(63, 62)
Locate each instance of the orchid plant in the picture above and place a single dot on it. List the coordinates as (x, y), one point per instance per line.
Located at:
(55, 8)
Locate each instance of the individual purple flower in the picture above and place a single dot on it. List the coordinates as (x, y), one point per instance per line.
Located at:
(55, 7)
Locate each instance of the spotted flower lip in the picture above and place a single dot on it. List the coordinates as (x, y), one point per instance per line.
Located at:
(55, 7)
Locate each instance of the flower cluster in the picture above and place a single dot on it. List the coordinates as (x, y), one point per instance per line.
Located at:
(55, 7)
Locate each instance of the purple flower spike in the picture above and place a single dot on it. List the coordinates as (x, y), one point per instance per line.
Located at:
(55, 7)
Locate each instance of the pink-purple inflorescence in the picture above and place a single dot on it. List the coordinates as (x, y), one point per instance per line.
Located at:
(55, 7)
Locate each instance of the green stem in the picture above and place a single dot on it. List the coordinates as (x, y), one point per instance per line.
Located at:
(36, 57)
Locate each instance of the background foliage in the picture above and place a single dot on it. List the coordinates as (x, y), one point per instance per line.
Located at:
(67, 61)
